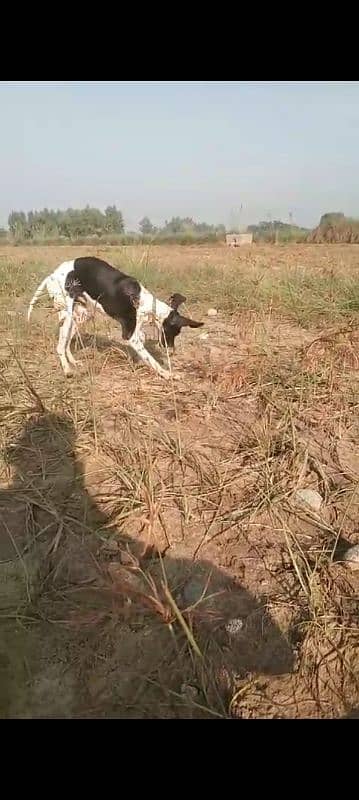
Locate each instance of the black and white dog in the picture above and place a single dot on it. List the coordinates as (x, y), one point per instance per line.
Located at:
(82, 286)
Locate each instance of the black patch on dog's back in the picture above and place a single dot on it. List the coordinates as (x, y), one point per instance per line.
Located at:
(117, 292)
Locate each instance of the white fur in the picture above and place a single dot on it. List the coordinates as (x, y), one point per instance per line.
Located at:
(72, 314)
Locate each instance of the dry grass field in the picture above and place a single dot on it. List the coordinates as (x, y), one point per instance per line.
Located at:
(157, 559)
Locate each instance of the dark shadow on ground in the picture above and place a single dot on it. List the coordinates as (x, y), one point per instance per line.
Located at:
(103, 343)
(88, 628)
(353, 714)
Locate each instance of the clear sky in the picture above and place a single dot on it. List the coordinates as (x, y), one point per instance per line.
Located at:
(187, 148)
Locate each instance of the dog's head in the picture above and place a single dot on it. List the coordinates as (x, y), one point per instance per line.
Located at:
(174, 323)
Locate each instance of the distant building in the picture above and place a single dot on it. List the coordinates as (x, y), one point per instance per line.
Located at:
(238, 239)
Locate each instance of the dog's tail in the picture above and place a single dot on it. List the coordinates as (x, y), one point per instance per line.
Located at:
(36, 296)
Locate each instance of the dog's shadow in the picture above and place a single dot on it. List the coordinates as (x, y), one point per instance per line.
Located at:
(104, 344)
(47, 513)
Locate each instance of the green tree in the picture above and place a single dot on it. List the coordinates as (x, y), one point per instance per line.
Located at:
(146, 227)
(113, 220)
(17, 223)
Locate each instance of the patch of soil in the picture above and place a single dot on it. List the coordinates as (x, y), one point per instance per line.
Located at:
(162, 570)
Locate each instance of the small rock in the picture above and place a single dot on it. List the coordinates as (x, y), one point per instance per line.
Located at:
(126, 579)
(212, 312)
(351, 557)
(310, 497)
(234, 626)
(190, 692)
(203, 336)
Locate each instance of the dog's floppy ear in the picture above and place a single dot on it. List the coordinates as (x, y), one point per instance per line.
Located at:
(185, 322)
(176, 300)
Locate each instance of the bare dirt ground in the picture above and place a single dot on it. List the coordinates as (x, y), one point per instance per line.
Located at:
(156, 560)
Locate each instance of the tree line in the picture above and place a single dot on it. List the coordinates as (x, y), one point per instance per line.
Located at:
(70, 224)
(278, 231)
(82, 225)
(180, 226)
(77, 224)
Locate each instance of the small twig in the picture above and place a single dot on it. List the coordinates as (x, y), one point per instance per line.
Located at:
(182, 622)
